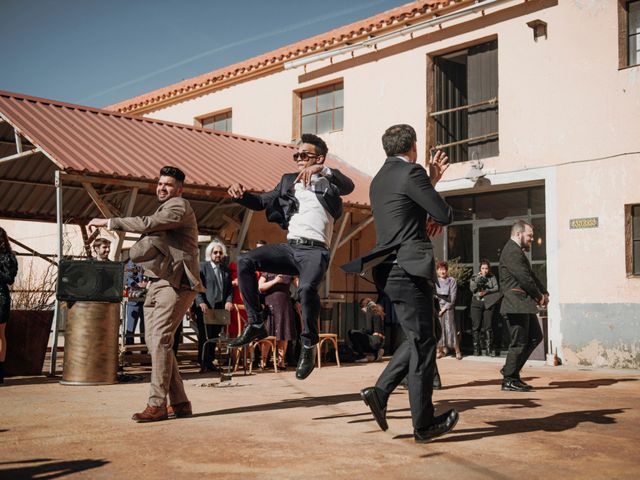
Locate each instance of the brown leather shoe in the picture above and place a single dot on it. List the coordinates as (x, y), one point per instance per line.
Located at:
(180, 410)
(151, 414)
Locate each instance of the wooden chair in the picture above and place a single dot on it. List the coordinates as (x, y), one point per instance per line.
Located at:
(248, 350)
(327, 337)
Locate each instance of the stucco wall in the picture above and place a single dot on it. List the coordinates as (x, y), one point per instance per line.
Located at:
(562, 99)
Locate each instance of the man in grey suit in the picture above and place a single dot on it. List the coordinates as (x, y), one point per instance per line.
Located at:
(168, 252)
(523, 293)
(405, 205)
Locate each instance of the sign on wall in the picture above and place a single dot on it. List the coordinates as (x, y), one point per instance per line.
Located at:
(590, 222)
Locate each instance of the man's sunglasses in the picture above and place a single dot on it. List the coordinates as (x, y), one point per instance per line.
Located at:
(303, 156)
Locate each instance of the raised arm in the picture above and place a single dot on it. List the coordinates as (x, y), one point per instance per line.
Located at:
(422, 192)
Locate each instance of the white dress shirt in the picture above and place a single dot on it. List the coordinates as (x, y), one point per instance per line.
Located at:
(311, 221)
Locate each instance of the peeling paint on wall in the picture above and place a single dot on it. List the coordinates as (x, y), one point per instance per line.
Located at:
(601, 334)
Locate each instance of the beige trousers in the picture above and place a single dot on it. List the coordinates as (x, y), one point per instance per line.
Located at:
(164, 309)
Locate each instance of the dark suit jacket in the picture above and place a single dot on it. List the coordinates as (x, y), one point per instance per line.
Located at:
(402, 198)
(209, 281)
(281, 203)
(519, 285)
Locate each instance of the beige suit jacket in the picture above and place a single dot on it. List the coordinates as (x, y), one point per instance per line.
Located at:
(168, 248)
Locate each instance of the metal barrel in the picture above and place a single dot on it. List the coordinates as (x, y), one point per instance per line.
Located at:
(91, 344)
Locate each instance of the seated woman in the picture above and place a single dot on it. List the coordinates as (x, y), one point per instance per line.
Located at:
(368, 342)
(486, 295)
(446, 291)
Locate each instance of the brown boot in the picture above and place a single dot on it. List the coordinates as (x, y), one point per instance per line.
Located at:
(180, 410)
(151, 414)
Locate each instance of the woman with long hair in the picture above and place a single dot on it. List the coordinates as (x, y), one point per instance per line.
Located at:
(8, 272)
(368, 342)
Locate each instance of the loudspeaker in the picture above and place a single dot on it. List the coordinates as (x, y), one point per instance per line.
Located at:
(90, 280)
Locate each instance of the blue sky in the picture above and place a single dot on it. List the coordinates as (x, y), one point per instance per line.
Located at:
(101, 52)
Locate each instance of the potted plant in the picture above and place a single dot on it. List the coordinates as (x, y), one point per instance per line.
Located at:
(29, 326)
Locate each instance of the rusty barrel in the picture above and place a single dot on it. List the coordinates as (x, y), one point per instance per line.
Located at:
(91, 344)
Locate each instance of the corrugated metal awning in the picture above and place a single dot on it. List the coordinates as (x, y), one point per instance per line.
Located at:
(118, 151)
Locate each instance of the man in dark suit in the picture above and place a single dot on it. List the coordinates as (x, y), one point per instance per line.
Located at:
(306, 204)
(522, 294)
(215, 302)
(403, 202)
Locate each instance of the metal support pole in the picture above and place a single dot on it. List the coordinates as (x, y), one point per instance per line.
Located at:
(56, 315)
(244, 228)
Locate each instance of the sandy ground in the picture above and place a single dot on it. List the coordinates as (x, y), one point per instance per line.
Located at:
(577, 423)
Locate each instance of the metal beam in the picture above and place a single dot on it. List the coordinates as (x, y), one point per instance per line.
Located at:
(221, 204)
(105, 208)
(127, 213)
(244, 228)
(18, 140)
(16, 156)
(332, 250)
(58, 308)
(32, 251)
(355, 230)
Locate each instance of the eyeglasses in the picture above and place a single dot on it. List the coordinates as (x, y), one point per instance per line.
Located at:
(216, 253)
(303, 156)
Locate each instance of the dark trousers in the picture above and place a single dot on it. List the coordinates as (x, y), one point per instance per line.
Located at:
(481, 316)
(415, 358)
(135, 314)
(206, 332)
(308, 263)
(525, 335)
(363, 342)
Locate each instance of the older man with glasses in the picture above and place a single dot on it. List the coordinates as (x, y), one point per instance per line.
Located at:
(305, 204)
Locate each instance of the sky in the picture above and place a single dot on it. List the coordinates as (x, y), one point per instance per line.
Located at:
(100, 52)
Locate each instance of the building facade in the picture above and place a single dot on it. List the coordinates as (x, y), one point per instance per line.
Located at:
(538, 105)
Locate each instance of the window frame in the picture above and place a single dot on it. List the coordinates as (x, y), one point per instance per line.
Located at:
(431, 127)
(623, 35)
(200, 119)
(629, 240)
(297, 106)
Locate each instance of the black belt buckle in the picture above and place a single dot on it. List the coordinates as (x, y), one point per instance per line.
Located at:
(306, 241)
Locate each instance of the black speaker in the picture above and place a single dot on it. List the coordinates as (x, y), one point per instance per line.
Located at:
(90, 280)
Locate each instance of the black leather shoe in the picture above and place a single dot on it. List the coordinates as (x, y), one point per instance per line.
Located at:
(372, 400)
(437, 383)
(306, 362)
(514, 386)
(250, 333)
(524, 384)
(441, 424)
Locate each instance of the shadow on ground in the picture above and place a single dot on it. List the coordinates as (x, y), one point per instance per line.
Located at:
(558, 422)
(292, 403)
(48, 468)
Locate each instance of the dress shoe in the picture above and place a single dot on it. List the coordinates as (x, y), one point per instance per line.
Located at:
(151, 414)
(514, 386)
(250, 333)
(306, 363)
(180, 410)
(372, 400)
(441, 424)
(524, 384)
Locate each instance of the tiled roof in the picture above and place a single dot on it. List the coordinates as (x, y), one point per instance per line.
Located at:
(275, 59)
(99, 142)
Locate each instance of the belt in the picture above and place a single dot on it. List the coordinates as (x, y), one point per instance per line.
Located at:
(306, 241)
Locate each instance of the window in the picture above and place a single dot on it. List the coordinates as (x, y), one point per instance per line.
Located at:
(632, 214)
(220, 121)
(629, 32)
(321, 109)
(464, 103)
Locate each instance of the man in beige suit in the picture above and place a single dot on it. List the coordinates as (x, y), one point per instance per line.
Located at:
(168, 252)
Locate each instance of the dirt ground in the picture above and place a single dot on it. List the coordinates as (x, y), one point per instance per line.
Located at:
(577, 423)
